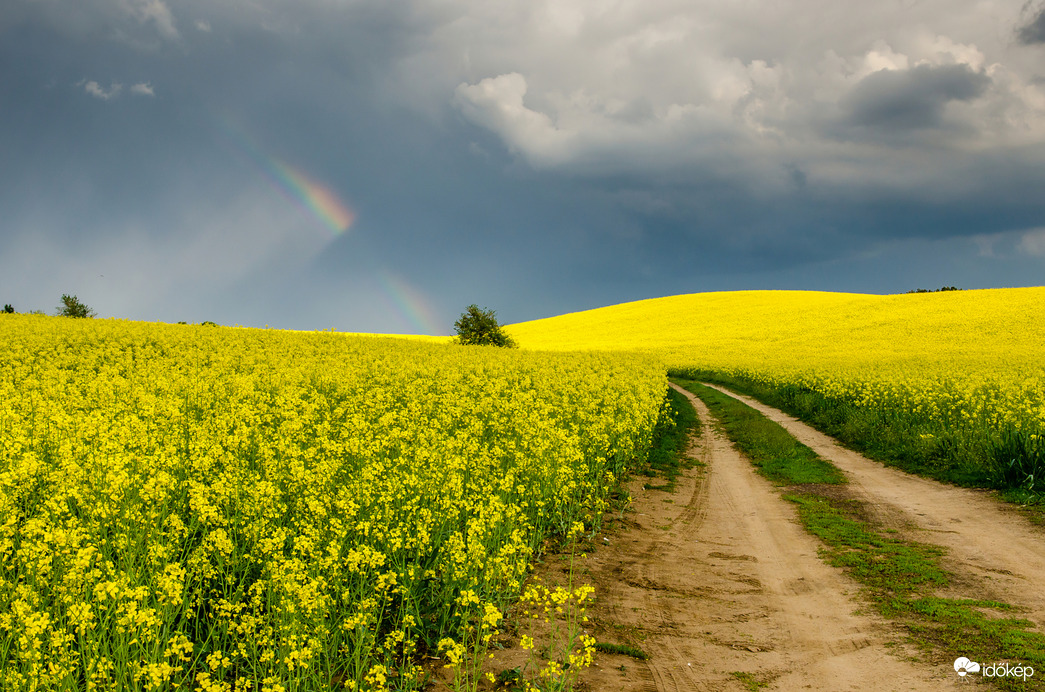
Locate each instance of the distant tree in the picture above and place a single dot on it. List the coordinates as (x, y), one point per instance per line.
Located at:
(478, 327)
(8, 308)
(72, 307)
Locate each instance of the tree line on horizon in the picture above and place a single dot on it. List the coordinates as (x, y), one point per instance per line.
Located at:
(71, 306)
(925, 290)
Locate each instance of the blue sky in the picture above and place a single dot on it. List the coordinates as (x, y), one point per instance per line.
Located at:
(370, 165)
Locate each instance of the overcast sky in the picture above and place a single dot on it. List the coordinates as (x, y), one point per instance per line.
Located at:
(377, 165)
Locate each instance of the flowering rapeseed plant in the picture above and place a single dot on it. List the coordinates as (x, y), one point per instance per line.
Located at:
(967, 362)
(230, 509)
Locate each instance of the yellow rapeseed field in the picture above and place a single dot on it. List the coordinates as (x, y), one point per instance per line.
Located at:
(203, 508)
(958, 357)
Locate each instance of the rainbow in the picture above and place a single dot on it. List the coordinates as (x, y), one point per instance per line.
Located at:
(408, 303)
(318, 200)
(323, 204)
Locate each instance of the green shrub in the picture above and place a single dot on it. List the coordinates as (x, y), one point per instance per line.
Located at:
(72, 307)
(479, 327)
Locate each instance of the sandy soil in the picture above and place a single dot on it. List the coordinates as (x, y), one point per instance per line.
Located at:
(720, 585)
(994, 551)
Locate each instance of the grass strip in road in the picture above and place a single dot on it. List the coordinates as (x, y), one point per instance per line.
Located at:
(892, 569)
(779, 456)
(900, 577)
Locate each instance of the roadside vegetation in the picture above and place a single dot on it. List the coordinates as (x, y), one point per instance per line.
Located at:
(900, 577)
(667, 456)
(229, 509)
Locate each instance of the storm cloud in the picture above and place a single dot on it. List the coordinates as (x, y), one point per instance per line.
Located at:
(1034, 31)
(377, 166)
(914, 98)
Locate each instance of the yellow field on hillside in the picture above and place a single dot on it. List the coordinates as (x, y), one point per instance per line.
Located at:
(218, 509)
(960, 355)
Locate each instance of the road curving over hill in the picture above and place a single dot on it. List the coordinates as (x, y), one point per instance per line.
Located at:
(724, 589)
(994, 552)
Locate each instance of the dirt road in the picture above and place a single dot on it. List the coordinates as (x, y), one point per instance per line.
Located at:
(720, 585)
(994, 551)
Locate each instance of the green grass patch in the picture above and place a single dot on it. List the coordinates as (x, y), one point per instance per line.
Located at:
(623, 649)
(667, 456)
(749, 681)
(892, 569)
(901, 578)
(776, 454)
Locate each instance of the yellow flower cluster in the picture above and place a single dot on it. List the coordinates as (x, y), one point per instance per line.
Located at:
(562, 611)
(960, 358)
(204, 508)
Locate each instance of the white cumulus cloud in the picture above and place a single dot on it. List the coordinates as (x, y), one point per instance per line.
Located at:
(154, 11)
(143, 88)
(96, 90)
(496, 103)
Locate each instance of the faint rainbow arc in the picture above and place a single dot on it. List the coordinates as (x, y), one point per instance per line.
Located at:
(317, 199)
(411, 305)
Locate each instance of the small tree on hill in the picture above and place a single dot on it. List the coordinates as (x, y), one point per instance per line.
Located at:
(8, 308)
(72, 307)
(478, 327)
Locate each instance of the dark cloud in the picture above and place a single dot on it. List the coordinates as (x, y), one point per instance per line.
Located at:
(1034, 31)
(912, 99)
(597, 158)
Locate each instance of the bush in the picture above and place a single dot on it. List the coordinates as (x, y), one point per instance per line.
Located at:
(72, 307)
(478, 327)
(8, 308)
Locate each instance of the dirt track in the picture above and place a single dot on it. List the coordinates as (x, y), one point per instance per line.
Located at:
(995, 552)
(723, 588)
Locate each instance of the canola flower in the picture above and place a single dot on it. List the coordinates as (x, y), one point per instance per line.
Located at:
(218, 509)
(964, 361)
(560, 614)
